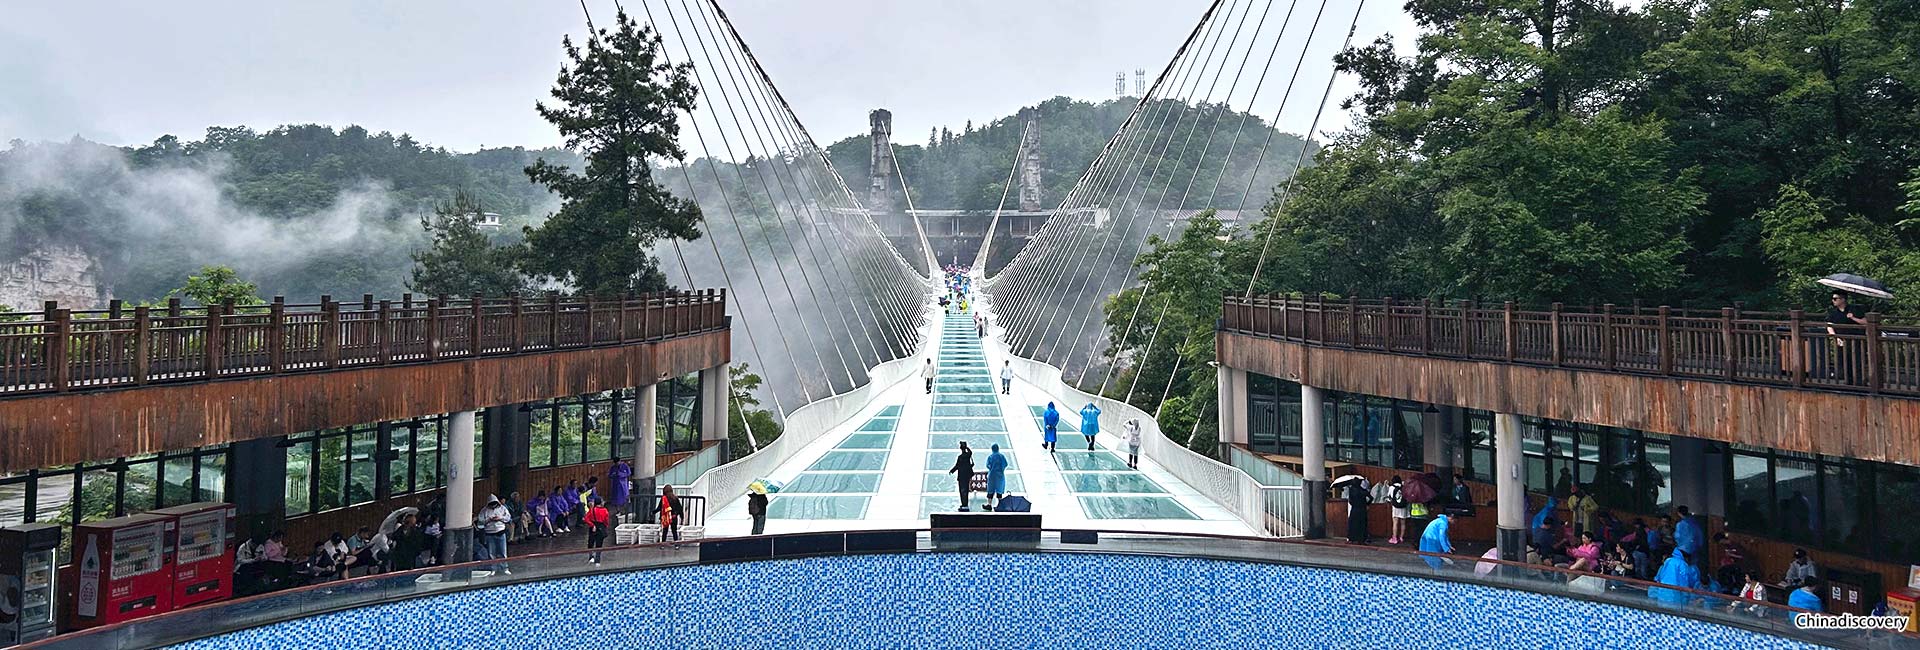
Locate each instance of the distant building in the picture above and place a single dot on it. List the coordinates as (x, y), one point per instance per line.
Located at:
(489, 220)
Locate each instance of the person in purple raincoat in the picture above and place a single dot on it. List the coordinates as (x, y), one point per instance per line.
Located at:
(620, 482)
(561, 503)
(542, 515)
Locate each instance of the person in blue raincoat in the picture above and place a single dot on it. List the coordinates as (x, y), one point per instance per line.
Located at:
(1434, 540)
(1677, 572)
(1090, 423)
(1687, 535)
(1545, 510)
(1052, 420)
(996, 476)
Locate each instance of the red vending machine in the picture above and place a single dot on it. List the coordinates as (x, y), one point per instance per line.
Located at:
(202, 552)
(28, 559)
(122, 570)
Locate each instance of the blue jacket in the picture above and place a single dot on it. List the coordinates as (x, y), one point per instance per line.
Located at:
(1545, 511)
(1090, 419)
(1804, 599)
(1434, 540)
(1676, 572)
(996, 472)
(1686, 536)
(1051, 417)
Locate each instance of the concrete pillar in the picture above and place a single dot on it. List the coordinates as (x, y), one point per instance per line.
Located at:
(457, 531)
(1313, 457)
(716, 392)
(1510, 493)
(645, 440)
(1689, 475)
(258, 462)
(1436, 444)
(1232, 386)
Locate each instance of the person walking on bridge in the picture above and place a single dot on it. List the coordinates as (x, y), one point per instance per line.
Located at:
(1006, 378)
(963, 467)
(928, 372)
(1133, 443)
(1090, 423)
(1052, 420)
(996, 476)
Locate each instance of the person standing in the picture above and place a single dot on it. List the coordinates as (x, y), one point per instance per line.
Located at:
(1687, 536)
(1051, 418)
(1801, 570)
(757, 509)
(1133, 443)
(928, 372)
(963, 467)
(1006, 378)
(1357, 500)
(1844, 320)
(597, 521)
(668, 513)
(980, 325)
(1582, 507)
(493, 521)
(407, 540)
(619, 483)
(1397, 498)
(1090, 423)
(996, 476)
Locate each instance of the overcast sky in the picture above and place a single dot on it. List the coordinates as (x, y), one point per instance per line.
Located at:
(465, 73)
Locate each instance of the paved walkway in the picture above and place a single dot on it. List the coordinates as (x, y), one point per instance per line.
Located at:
(887, 466)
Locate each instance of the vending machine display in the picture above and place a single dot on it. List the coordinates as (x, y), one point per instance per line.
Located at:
(122, 570)
(28, 559)
(203, 552)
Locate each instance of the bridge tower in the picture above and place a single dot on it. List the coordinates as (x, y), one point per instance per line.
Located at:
(880, 180)
(1030, 164)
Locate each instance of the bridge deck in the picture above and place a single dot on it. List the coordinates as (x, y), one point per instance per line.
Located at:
(887, 467)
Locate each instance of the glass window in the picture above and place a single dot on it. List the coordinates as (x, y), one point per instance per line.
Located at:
(176, 481)
(13, 500)
(141, 490)
(426, 455)
(361, 470)
(570, 440)
(598, 424)
(53, 496)
(96, 496)
(1658, 450)
(1587, 454)
(213, 476)
(331, 467)
(1751, 500)
(540, 438)
(1379, 431)
(1409, 447)
(625, 427)
(1844, 499)
(299, 478)
(1480, 446)
(1897, 489)
(1796, 485)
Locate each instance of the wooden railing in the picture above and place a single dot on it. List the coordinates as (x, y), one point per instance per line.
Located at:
(1772, 348)
(57, 350)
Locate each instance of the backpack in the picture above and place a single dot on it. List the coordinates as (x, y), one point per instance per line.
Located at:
(1397, 497)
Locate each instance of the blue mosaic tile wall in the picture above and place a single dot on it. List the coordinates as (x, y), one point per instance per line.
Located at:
(951, 600)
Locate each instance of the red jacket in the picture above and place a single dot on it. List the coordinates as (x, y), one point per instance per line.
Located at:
(597, 517)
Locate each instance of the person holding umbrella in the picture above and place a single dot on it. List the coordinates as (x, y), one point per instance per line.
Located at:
(963, 466)
(1843, 319)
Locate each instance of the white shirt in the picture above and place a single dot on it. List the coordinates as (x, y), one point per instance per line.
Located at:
(927, 371)
(1006, 372)
(494, 519)
(1133, 433)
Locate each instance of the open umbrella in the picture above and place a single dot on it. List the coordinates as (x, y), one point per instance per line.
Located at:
(1344, 480)
(764, 486)
(1484, 568)
(1862, 285)
(1417, 491)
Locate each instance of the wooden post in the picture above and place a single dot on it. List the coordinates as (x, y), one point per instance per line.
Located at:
(329, 331)
(1507, 319)
(1387, 339)
(1320, 307)
(142, 343)
(1609, 345)
(590, 340)
(1666, 341)
(1730, 354)
(518, 326)
(553, 320)
(211, 344)
(113, 308)
(1554, 346)
(59, 371)
(620, 317)
(1876, 370)
(1795, 359)
(1353, 322)
(1426, 326)
(1466, 328)
(277, 335)
(433, 329)
(383, 332)
(366, 302)
(474, 345)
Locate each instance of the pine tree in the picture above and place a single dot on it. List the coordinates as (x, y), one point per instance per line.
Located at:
(618, 103)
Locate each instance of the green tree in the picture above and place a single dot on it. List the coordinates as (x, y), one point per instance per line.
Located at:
(215, 285)
(741, 416)
(462, 260)
(617, 102)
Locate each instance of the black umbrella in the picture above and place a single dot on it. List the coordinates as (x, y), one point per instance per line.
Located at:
(1862, 285)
